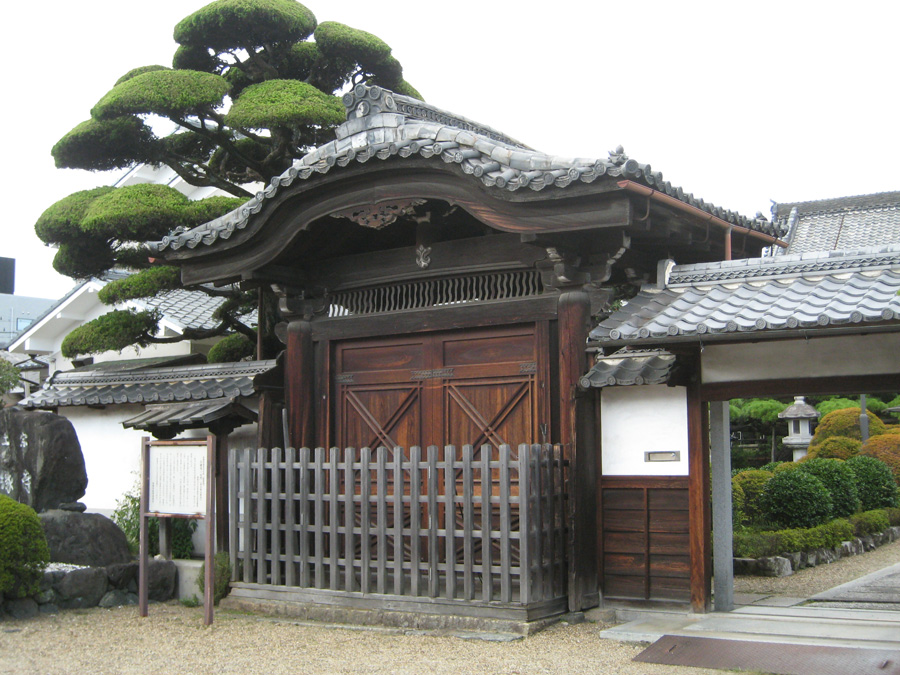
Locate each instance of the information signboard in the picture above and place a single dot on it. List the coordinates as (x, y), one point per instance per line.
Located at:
(178, 479)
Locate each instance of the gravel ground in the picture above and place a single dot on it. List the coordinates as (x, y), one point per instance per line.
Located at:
(173, 640)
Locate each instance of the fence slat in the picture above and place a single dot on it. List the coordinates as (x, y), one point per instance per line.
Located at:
(319, 502)
(506, 527)
(247, 482)
(304, 519)
(468, 524)
(450, 518)
(415, 520)
(399, 489)
(275, 506)
(433, 523)
(487, 489)
(381, 531)
(524, 525)
(537, 523)
(261, 505)
(290, 517)
(365, 483)
(334, 549)
(349, 524)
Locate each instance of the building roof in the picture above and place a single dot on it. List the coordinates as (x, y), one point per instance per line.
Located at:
(842, 223)
(761, 297)
(382, 125)
(630, 367)
(108, 386)
(190, 415)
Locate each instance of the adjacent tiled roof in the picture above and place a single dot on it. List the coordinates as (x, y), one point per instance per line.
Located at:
(785, 293)
(188, 415)
(384, 125)
(150, 385)
(844, 223)
(630, 367)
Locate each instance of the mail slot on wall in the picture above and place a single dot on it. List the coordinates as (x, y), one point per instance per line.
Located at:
(662, 456)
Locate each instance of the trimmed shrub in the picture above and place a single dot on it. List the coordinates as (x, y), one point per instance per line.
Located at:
(221, 576)
(737, 504)
(771, 466)
(869, 522)
(893, 516)
(755, 544)
(840, 482)
(845, 422)
(786, 466)
(23, 549)
(885, 447)
(835, 447)
(751, 483)
(874, 482)
(795, 499)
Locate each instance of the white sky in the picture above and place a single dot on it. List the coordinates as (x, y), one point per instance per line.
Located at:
(738, 103)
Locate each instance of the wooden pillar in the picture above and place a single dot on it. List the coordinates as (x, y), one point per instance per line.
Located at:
(720, 461)
(221, 476)
(269, 432)
(574, 315)
(698, 497)
(298, 384)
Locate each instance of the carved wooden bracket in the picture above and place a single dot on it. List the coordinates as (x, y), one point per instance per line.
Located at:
(377, 216)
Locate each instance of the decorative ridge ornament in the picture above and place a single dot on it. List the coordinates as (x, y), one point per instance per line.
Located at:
(423, 256)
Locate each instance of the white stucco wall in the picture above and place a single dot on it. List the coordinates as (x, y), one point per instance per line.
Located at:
(112, 454)
(638, 419)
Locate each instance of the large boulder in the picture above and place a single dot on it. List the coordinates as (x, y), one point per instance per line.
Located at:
(40, 459)
(84, 539)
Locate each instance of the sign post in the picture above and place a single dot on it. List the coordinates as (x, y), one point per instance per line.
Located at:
(178, 481)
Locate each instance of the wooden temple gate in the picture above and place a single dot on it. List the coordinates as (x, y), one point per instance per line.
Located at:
(477, 531)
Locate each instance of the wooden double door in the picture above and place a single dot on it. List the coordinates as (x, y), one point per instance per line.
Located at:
(457, 387)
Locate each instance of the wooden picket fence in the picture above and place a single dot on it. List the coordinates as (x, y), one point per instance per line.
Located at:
(480, 528)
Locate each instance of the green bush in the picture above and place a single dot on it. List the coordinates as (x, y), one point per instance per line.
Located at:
(893, 516)
(845, 423)
(23, 549)
(840, 482)
(751, 482)
(737, 504)
(869, 522)
(127, 516)
(756, 543)
(835, 447)
(874, 482)
(771, 466)
(221, 576)
(795, 499)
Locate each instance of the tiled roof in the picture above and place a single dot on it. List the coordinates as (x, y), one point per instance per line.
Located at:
(100, 386)
(799, 410)
(630, 367)
(188, 415)
(784, 293)
(844, 223)
(383, 125)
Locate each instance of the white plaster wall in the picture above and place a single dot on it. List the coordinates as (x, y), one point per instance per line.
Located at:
(112, 454)
(877, 354)
(638, 419)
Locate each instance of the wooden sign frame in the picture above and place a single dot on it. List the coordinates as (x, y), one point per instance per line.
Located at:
(208, 515)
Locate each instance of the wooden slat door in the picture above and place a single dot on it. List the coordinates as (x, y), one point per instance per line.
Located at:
(459, 388)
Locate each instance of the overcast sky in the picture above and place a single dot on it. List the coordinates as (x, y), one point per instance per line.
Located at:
(738, 103)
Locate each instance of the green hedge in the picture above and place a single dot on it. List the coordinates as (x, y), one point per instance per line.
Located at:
(23, 549)
(759, 543)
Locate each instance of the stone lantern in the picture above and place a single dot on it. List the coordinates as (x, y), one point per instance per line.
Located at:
(799, 416)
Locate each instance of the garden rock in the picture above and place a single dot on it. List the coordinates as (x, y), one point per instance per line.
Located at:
(794, 559)
(40, 459)
(21, 608)
(745, 565)
(114, 598)
(161, 576)
(82, 588)
(121, 575)
(48, 608)
(774, 566)
(84, 539)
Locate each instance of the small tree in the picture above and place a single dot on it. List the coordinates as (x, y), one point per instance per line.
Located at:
(9, 378)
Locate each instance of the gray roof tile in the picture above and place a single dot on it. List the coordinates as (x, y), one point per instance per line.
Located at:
(102, 386)
(426, 131)
(764, 294)
(630, 367)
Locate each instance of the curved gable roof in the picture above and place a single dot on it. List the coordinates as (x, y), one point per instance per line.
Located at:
(415, 136)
